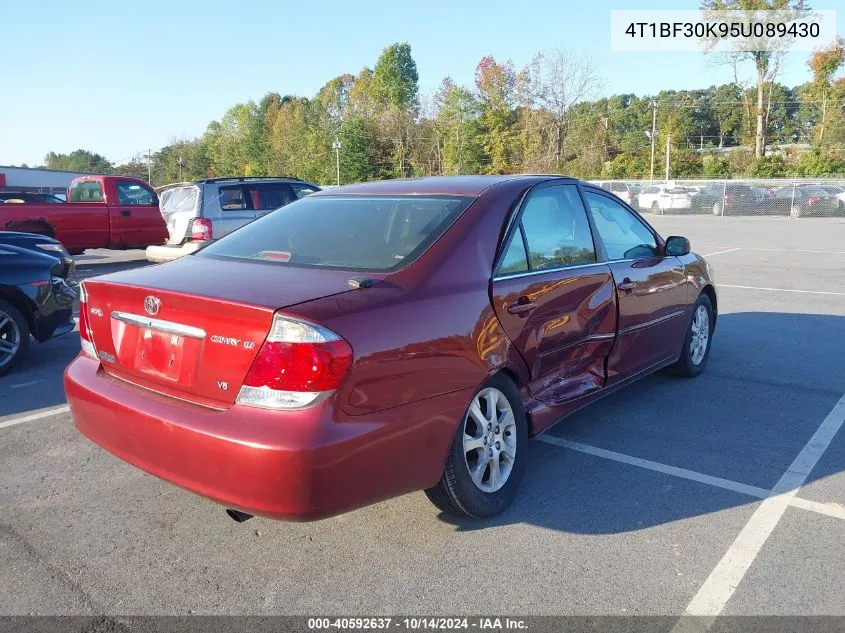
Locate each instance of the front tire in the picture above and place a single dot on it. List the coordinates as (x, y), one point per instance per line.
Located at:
(488, 455)
(717, 209)
(655, 209)
(796, 211)
(697, 341)
(14, 336)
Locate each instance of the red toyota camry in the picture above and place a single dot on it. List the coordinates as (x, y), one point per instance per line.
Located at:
(381, 338)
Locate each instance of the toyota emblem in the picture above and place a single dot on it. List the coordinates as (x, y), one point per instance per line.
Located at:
(152, 305)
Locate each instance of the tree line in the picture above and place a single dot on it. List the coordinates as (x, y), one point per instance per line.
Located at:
(543, 118)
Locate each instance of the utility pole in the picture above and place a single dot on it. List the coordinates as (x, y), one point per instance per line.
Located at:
(179, 162)
(149, 167)
(653, 135)
(668, 138)
(336, 148)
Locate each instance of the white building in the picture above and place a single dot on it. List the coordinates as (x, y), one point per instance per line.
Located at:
(53, 181)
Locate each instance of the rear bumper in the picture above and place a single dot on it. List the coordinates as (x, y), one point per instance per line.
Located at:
(54, 315)
(296, 465)
(161, 254)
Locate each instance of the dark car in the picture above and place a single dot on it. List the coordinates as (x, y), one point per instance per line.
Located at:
(47, 245)
(28, 197)
(380, 338)
(35, 301)
(730, 199)
(803, 200)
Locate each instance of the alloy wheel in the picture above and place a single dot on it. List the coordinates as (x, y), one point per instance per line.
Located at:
(700, 335)
(10, 339)
(489, 441)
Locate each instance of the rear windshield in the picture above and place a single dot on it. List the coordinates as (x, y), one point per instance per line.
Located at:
(178, 199)
(377, 233)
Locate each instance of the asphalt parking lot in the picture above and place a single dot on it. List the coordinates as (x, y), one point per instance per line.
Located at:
(725, 493)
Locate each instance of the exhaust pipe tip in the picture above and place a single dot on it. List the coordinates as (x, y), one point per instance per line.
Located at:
(237, 515)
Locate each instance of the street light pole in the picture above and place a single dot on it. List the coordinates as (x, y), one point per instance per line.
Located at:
(149, 167)
(336, 148)
(653, 136)
(668, 138)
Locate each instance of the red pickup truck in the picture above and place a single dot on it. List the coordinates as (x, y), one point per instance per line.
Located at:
(100, 212)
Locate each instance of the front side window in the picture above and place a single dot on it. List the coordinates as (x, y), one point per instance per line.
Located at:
(556, 229)
(360, 233)
(622, 233)
(131, 193)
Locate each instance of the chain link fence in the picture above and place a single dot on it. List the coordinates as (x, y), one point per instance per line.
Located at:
(796, 198)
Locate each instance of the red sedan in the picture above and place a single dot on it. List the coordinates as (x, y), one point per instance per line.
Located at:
(381, 338)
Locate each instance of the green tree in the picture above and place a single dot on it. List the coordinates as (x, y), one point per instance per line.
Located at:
(395, 79)
(765, 60)
(456, 127)
(80, 160)
(496, 86)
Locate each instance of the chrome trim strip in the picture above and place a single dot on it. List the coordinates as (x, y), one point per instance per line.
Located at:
(161, 393)
(168, 327)
(531, 273)
(657, 321)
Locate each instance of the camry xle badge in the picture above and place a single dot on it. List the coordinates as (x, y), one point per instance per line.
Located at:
(223, 385)
(152, 305)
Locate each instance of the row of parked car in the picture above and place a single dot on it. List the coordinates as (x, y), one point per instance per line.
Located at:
(721, 198)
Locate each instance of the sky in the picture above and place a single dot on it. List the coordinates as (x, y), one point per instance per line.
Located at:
(119, 78)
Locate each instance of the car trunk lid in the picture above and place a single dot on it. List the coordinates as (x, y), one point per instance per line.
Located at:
(178, 330)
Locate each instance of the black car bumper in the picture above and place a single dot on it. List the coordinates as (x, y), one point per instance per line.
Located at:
(54, 313)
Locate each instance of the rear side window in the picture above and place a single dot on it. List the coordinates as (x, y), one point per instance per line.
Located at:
(556, 229)
(269, 196)
(232, 198)
(86, 191)
(375, 233)
(302, 190)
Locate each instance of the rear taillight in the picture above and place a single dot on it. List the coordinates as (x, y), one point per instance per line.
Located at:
(297, 364)
(201, 230)
(814, 199)
(85, 324)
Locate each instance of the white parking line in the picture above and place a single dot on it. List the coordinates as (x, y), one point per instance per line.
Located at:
(728, 250)
(683, 473)
(728, 573)
(805, 292)
(44, 413)
(835, 510)
(20, 385)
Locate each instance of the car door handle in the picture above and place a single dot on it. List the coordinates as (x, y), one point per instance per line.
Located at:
(125, 213)
(521, 306)
(627, 286)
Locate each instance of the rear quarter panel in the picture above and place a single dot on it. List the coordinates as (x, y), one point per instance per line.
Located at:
(430, 328)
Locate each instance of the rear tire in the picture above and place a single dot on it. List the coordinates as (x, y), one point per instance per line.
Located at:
(717, 209)
(655, 209)
(14, 336)
(697, 342)
(795, 211)
(488, 455)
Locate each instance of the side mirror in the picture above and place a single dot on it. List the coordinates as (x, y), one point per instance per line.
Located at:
(677, 246)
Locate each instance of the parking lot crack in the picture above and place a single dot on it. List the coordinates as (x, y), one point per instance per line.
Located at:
(54, 571)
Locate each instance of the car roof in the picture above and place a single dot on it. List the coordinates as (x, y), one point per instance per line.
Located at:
(435, 185)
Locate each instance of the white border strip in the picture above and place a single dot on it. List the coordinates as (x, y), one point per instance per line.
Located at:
(44, 413)
(728, 250)
(803, 292)
(683, 473)
(729, 572)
